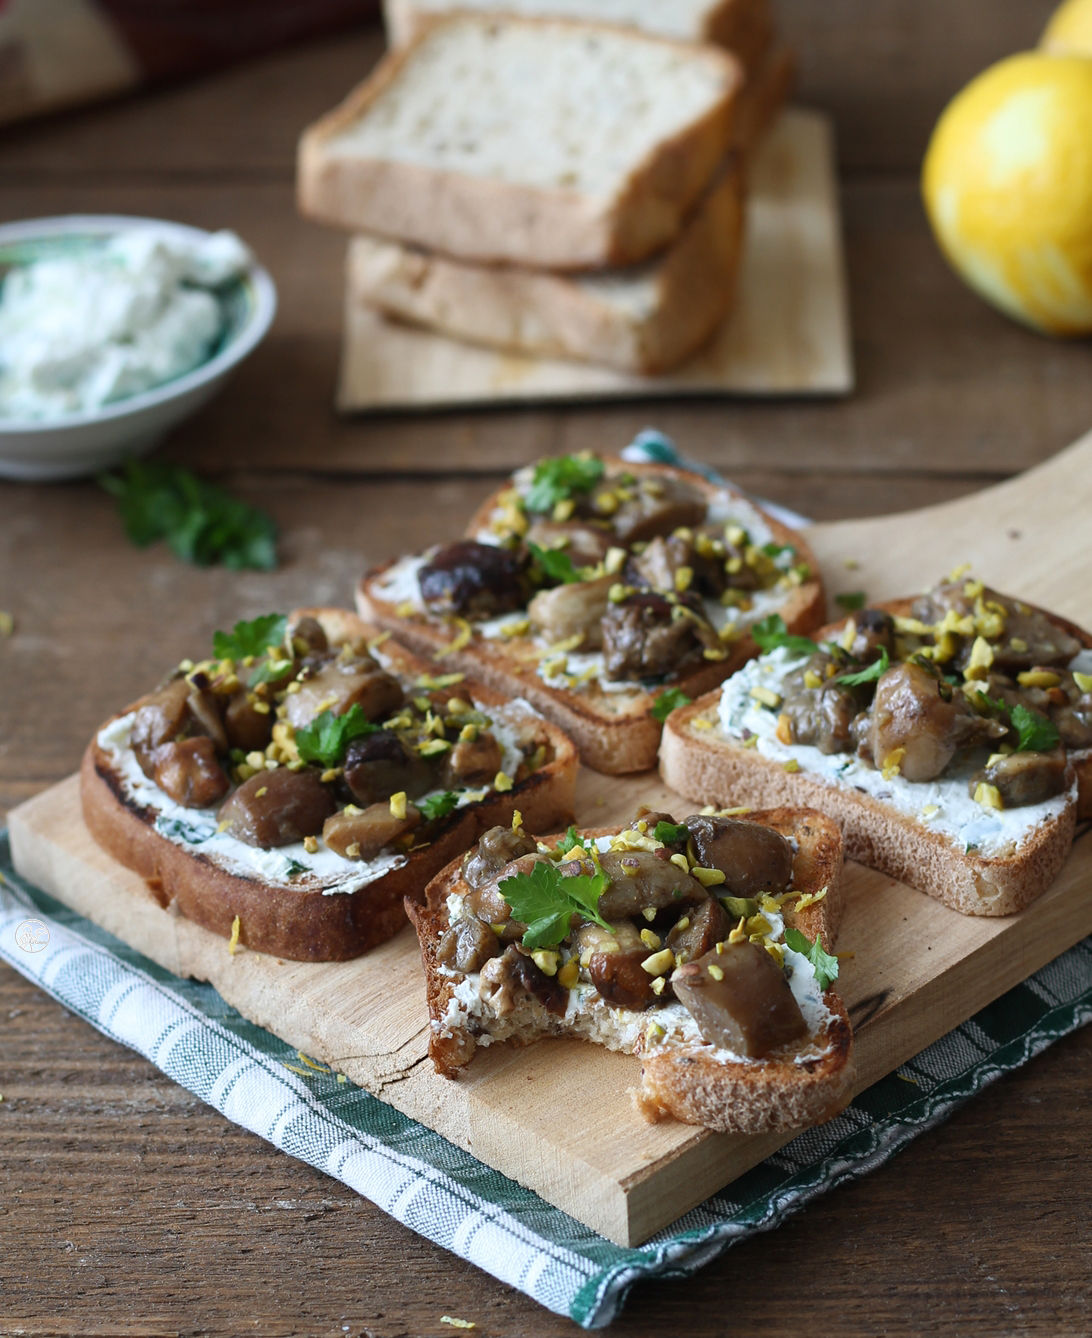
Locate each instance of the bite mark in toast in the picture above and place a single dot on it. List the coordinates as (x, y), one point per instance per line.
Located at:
(682, 1075)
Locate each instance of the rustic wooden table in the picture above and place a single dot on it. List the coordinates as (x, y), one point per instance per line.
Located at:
(127, 1207)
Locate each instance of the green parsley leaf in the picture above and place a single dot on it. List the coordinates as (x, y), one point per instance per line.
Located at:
(546, 901)
(671, 833)
(669, 701)
(572, 838)
(252, 638)
(771, 634)
(556, 564)
(1037, 733)
(201, 522)
(556, 479)
(438, 805)
(870, 675)
(325, 739)
(850, 600)
(826, 966)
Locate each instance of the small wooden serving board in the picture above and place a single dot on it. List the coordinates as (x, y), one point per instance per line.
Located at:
(788, 334)
(557, 1116)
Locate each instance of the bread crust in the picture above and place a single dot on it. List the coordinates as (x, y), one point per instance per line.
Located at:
(496, 222)
(614, 732)
(745, 27)
(555, 315)
(686, 1082)
(293, 922)
(707, 762)
(764, 94)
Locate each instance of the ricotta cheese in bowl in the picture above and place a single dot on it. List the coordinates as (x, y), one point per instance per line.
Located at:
(95, 321)
(112, 331)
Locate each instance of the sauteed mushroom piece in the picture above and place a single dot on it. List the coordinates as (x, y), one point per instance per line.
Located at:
(919, 721)
(478, 580)
(381, 764)
(1024, 778)
(364, 835)
(740, 1000)
(752, 857)
(188, 771)
(277, 808)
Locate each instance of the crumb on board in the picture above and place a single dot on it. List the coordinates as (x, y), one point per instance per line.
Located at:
(457, 1323)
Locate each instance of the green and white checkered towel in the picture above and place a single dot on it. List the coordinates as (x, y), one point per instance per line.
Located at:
(188, 1032)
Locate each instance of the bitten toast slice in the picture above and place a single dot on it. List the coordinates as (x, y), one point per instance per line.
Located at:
(682, 1075)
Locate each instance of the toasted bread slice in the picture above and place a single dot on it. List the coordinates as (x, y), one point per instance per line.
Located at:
(642, 319)
(577, 145)
(614, 730)
(698, 757)
(306, 918)
(682, 1076)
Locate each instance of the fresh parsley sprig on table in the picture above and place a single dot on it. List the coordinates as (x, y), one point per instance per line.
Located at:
(556, 479)
(252, 638)
(555, 563)
(1037, 734)
(826, 966)
(872, 674)
(326, 738)
(201, 522)
(546, 901)
(669, 701)
(772, 634)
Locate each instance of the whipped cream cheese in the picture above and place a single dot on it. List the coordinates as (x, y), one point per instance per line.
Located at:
(195, 829)
(942, 805)
(86, 328)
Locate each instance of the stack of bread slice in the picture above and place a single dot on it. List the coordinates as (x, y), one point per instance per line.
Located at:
(549, 183)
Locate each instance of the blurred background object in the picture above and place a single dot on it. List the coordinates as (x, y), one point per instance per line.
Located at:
(1007, 179)
(57, 53)
(1069, 31)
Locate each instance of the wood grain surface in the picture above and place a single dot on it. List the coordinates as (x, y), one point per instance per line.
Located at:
(127, 1207)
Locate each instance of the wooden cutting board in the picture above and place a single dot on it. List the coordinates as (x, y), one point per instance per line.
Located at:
(557, 1116)
(788, 334)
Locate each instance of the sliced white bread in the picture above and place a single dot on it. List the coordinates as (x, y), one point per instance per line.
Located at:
(745, 27)
(548, 143)
(680, 1078)
(304, 918)
(646, 318)
(698, 757)
(615, 731)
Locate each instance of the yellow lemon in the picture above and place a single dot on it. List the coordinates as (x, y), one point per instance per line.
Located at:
(1007, 183)
(1069, 31)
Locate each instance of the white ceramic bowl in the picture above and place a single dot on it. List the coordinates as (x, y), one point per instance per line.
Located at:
(83, 443)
